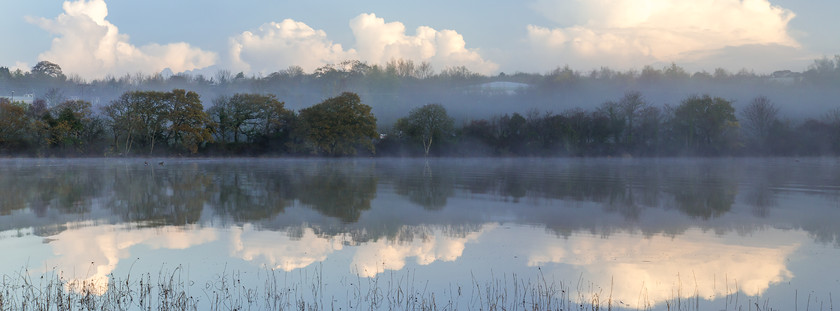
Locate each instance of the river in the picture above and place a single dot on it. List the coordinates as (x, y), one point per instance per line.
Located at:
(723, 234)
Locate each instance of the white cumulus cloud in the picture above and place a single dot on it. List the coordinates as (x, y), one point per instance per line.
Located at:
(376, 257)
(658, 262)
(279, 250)
(379, 42)
(278, 45)
(87, 44)
(629, 33)
(99, 249)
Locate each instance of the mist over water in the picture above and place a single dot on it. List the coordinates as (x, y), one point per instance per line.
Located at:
(394, 88)
(699, 226)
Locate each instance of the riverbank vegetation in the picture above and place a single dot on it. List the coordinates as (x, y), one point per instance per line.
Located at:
(403, 109)
(271, 289)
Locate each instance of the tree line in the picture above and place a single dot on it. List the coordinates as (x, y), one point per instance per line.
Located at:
(45, 74)
(140, 123)
(177, 123)
(398, 86)
(700, 125)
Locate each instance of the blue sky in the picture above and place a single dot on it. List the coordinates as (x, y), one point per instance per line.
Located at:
(93, 38)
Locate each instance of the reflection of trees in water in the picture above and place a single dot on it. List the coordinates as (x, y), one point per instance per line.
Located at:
(169, 196)
(245, 194)
(701, 190)
(761, 198)
(824, 230)
(336, 191)
(618, 189)
(44, 188)
(557, 181)
(760, 194)
(259, 191)
(704, 198)
(816, 177)
(429, 187)
(393, 232)
(177, 193)
(769, 178)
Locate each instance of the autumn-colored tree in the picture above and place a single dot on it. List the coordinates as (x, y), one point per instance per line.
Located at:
(176, 118)
(123, 122)
(188, 124)
(13, 124)
(151, 109)
(338, 125)
(272, 118)
(71, 124)
(138, 116)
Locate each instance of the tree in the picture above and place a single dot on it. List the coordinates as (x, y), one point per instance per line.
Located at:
(5, 74)
(674, 72)
(48, 70)
(562, 76)
(151, 109)
(339, 124)
(616, 121)
(824, 70)
(13, 123)
(123, 122)
(255, 117)
(72, 124)
(220, 116)
(424, 70)
(427, 124)
(832, 120)
(138, 115)
(650, 75)
(648, 130)
(479, 136)
(814, 137)
(189, 125)
(631, 105)
(759, 117)
(273, 120)
(704, 124)
(547, 131)
(511, 133)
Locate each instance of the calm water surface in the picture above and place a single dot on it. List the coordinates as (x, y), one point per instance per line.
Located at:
(721, 233)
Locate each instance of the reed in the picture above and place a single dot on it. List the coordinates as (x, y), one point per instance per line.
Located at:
(308, 289)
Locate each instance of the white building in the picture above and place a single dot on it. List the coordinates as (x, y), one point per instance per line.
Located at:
(25, 98)
(499, 88)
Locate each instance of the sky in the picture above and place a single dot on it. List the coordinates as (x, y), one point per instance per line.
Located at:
(95, 38)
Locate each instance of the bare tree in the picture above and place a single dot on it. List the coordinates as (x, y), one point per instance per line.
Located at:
(758, 119)
(425, 70)
(631, 106)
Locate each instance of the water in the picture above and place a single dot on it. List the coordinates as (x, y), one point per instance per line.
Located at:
(721, 234)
